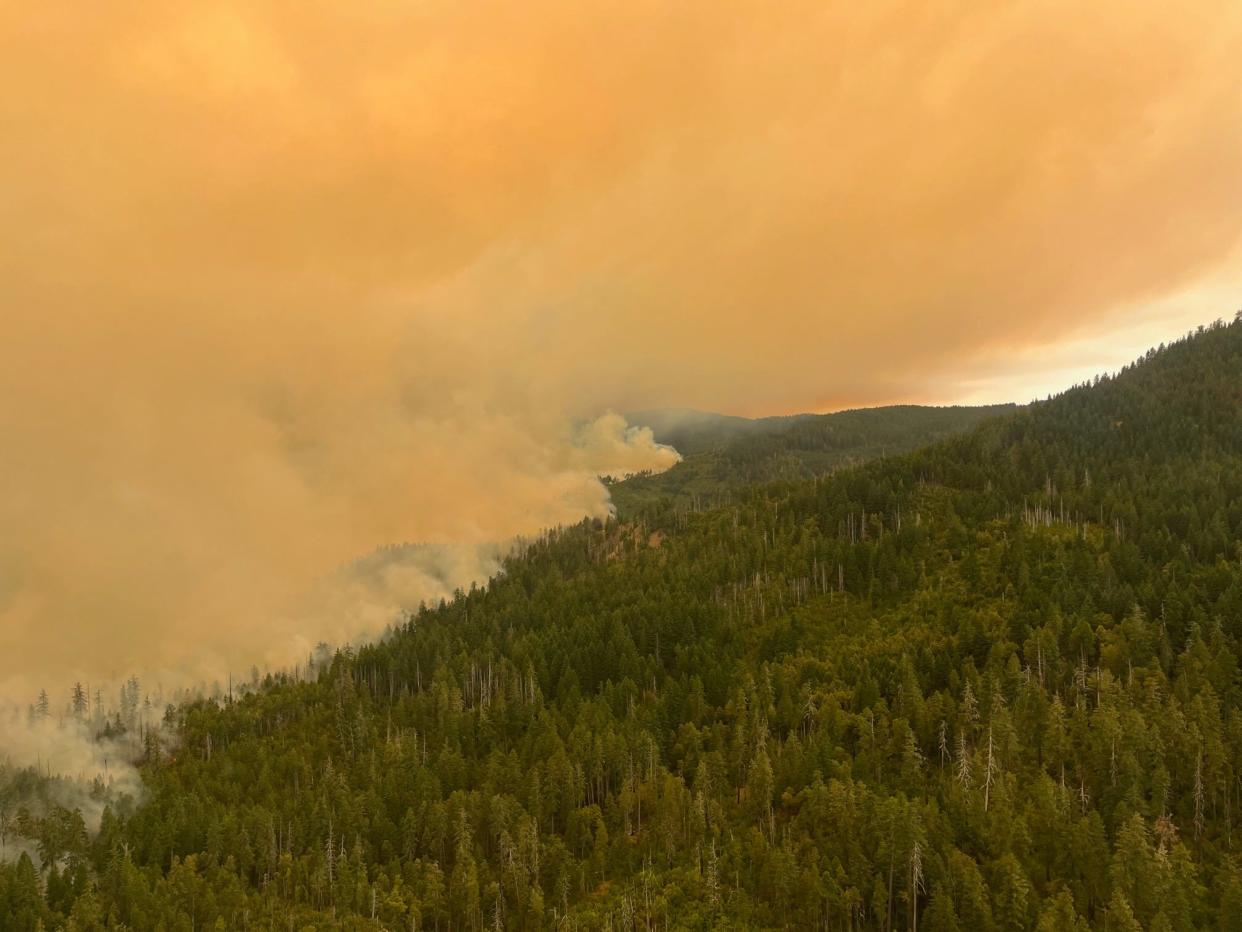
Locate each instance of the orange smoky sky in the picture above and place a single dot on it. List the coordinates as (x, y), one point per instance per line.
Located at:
(282, 282)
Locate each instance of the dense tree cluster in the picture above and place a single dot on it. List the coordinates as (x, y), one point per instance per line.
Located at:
(992, 684)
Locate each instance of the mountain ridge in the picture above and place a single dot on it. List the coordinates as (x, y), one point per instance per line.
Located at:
(726, 454)
(992, 683)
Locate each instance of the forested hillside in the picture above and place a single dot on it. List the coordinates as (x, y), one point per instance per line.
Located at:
(721, 452)
(992, 684)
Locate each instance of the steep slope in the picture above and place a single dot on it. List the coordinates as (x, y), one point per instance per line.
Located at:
(990, 684)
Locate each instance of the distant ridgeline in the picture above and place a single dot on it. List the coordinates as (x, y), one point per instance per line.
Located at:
(722, 452)
(992, 683)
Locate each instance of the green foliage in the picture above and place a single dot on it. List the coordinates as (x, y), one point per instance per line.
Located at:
(989, 684)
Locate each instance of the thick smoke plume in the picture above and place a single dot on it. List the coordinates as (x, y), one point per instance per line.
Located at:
(283, 283)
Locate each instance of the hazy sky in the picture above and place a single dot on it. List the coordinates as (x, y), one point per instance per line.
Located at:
(284, 281)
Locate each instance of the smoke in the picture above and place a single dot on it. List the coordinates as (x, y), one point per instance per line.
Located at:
(185, 582)
(72, 766)
(284, 283)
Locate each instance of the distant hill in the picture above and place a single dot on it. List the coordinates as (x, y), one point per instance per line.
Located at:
(723, 451)
(693, 432)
